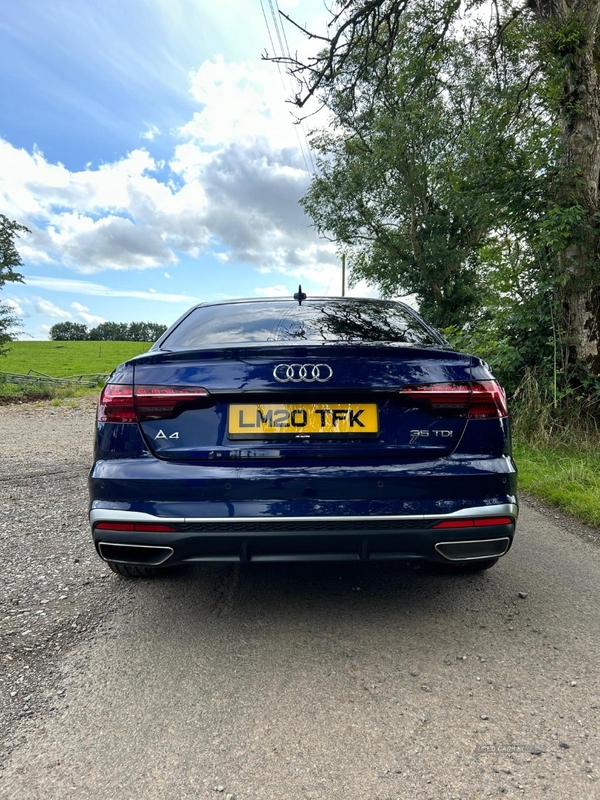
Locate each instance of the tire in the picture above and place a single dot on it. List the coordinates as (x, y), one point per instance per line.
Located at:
(132, 570)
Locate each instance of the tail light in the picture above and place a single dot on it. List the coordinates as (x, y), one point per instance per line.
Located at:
(116, 404)
(162, 402)
(150, 527)
(475, 400)
(125, 403)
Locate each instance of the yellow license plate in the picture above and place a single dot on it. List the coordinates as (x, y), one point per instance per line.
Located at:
(258, 419)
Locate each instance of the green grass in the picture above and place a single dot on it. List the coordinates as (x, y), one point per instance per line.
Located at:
(33, 392)
(566, 477)
(61, 359)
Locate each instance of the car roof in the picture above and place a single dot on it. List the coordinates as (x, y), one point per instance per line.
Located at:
(283, 298)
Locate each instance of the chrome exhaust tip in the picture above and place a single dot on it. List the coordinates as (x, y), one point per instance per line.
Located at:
(146, 555)
(473, 549)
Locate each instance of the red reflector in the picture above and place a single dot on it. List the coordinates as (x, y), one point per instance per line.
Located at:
(477, 523)
(474, 399)
(116, 404)
(114, 526)
(135, 526)
(455, 523)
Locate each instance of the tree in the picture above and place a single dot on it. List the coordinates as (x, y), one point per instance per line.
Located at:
(409, 170)
(109, 332)
(145, 331)
(10, 260)
(8, 321)
(68, 332)
(563, 43)
(155, 331)
(569, 51)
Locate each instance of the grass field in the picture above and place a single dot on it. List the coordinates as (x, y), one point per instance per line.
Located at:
(568, 478)
(61, 359)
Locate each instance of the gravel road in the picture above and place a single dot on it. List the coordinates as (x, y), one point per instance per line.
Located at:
(288, 682)
(52, 593)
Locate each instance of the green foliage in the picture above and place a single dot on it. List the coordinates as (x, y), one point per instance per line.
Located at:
(144, 331)
(108, 332)
(462, 168)
(8, 321)
(566, 38)
(440, 158)
(556, 230)
(566, 476)
(68, 332)
(10, 260)
(37, 391)
(445, 178)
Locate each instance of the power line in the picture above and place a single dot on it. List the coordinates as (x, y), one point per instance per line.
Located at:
(276, 24)
(267, 24)
(289, 55)
(310, 168)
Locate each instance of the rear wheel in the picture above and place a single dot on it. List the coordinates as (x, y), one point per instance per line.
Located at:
(132, 570)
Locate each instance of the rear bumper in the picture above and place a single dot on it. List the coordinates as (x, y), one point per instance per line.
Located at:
(306, 538)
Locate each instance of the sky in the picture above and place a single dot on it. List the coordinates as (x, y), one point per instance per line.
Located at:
(152, 154)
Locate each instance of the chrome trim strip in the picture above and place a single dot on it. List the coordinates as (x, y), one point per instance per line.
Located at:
(473, 541)
(502, 509)
(140, 547)
(112, 515)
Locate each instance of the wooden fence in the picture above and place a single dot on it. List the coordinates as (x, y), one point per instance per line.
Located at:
(33, 376)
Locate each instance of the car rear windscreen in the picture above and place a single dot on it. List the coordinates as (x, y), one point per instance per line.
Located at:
(316, 322)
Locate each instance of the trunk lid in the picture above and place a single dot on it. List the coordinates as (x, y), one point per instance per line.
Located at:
(341, 402)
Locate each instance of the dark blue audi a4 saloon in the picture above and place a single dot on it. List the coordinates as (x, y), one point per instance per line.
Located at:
(302, 429)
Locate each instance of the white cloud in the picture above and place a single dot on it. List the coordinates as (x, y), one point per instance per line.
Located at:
(114, 217)
(50, 310)
(273, 291)
(151, 132)
(240, 103)
(36, 188)
(112, 243)
(16, 307)
(90, 319)
(72, 285)
(317, 264)
(362, 289)
(231, 188)
(82, 314)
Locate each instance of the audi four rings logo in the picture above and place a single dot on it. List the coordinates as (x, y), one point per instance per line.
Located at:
(297, 373)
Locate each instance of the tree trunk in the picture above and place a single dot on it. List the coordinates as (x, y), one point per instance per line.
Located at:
(576, 28)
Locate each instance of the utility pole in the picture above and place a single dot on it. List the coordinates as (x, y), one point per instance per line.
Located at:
(343, 274)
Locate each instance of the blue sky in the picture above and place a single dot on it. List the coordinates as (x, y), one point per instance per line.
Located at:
(153, 156)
